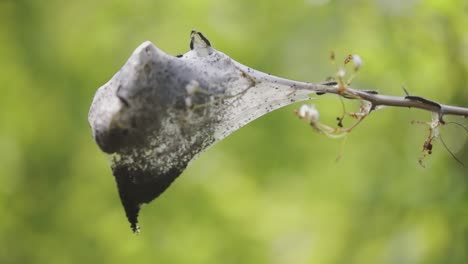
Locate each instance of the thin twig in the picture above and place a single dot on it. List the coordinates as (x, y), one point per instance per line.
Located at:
(395, 101)
(449, 151)
(458, 124)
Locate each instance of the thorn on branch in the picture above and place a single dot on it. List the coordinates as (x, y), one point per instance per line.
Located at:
(423, 100)
(406, 91)
(330, 83)
(371, 91)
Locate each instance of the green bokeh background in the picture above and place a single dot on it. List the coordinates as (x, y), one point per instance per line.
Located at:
(272, 192)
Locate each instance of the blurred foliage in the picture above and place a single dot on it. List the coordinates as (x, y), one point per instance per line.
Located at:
(272, 192)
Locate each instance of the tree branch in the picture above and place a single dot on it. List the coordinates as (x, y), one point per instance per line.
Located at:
(159, 112)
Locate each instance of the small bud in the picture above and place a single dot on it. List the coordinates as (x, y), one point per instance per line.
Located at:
(341, 73)
(357, 61)
(308, 112)
(348, 59)
(302, 111)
